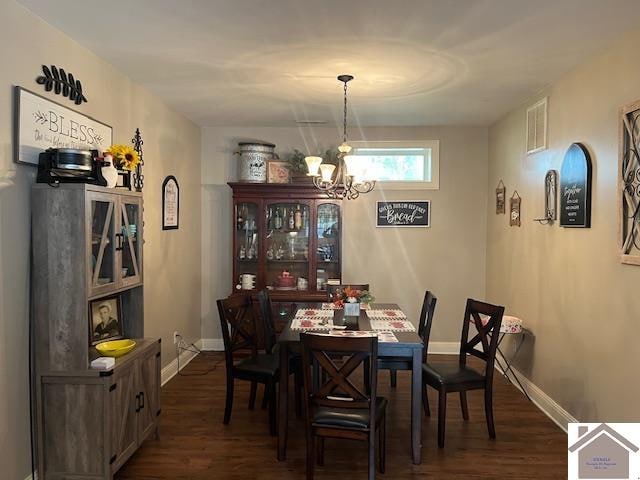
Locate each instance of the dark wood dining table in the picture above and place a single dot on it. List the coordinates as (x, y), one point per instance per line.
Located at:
(409, 347)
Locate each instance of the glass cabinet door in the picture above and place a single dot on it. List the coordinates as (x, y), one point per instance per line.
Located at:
(287, 245)
(129, 240)
(328, 255)
(102, 244)
(246, 245)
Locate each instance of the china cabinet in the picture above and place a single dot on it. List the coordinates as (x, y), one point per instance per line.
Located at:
(287, 238)
(87, 244)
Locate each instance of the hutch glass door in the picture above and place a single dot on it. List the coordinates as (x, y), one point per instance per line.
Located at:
(130, 240)
(287, 246)
(246, 245)
(102, 243)
(328, 255)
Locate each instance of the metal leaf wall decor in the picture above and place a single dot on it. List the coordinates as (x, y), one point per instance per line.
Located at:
(62, 83)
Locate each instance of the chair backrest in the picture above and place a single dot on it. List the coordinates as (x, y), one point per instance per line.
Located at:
(333, 289)
(487, 319)
(426, 318)
(268, 325)
(237, 325)
(337, 389)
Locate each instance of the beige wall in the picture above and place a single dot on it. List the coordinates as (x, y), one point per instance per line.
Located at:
(448, 258)
(568, 285)
(172, 259)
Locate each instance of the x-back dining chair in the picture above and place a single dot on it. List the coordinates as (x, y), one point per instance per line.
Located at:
(450, 377)
(239, 334)
(424, 330)
(339, 406)
(271, 347)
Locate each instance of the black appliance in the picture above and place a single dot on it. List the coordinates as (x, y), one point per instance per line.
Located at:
(68, 165)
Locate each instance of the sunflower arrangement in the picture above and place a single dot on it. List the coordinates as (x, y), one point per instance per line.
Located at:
(352, 295)
(125, 156)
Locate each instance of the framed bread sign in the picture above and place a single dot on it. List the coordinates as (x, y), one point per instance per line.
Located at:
(409, 213)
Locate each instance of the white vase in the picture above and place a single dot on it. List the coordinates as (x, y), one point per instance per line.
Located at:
(110, 172)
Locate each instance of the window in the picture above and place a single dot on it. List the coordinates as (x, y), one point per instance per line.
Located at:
(400, 165)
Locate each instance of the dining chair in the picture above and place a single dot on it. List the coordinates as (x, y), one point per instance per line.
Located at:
(339, 406)
(271, 346)
(450, 377)
(333, 289)
(239, 334)
(424, 330)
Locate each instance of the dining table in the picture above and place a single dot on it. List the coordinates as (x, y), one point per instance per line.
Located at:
(408, 348)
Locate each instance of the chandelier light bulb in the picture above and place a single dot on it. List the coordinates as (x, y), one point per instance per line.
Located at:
(313, 164)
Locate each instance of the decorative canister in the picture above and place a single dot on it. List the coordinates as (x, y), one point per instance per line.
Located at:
(254, 157)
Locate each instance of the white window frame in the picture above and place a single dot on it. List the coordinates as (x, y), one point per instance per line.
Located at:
(434, 145)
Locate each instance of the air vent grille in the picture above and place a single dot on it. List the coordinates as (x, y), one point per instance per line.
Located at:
(537, 127)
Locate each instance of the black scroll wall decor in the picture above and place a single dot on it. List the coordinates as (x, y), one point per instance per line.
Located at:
(62, 83)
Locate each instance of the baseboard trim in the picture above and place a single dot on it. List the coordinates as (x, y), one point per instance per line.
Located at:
(444, 348)
(171, 370)
(544, 402)
(213, 344)
(32, 477)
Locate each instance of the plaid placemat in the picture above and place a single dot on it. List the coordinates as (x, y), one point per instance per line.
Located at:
(313, 313)
(385, 314)
(387, 337)
(311, 323)
(349, 333)
(399, 325)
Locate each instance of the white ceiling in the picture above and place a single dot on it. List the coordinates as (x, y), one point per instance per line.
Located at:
(272, 62)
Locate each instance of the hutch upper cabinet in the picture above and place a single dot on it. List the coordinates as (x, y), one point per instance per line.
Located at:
(113, 236)
(286, 238)
(87, 245)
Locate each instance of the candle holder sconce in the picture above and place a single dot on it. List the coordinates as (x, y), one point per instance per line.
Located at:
(550, 198)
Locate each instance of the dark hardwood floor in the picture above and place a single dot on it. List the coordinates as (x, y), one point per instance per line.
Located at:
(194, 444)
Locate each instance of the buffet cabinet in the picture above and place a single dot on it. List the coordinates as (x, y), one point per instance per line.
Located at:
(87, 244)
(287, 238)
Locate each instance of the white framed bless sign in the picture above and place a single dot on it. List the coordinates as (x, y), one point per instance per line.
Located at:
(40, 123)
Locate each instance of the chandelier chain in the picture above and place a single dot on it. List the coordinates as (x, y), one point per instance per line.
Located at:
(344, 124)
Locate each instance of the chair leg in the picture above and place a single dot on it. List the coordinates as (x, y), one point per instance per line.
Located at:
(442, 414)
(265, 396)
(425, 401)
(252, 395)
(394, 378)
(372, 453)
(464, 406)
(297, 389)
(382, 442)
(272, 409)
(320, 450)
(488, 410)
(229, 402)
(311, 455)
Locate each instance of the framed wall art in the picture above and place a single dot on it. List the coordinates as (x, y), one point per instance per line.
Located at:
(575, 188)
(40, 123)
(515, 203)
(501, 195)
(410, 213)
(105, 319)
(629, 184)
(277, 172)
(170, 203)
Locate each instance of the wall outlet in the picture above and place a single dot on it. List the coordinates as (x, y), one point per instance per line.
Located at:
(176, 337)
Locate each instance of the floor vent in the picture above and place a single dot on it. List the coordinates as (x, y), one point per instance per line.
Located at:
(537, 127)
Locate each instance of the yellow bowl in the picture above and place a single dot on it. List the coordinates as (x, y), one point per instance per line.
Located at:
(115, 348)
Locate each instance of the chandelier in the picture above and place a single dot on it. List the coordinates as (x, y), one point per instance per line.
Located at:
(349, 178)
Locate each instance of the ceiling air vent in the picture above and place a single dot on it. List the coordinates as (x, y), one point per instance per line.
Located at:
(537, 127)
